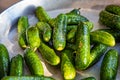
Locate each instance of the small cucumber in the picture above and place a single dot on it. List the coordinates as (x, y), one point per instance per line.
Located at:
(27, 78)
(109, 65)
(45, 30)
(114, 9)
(110, 20)
(4, 61)
(74, 11)
(21, 28)
(33, 38)
(67, 67)
(33, 62)
(41, 14)
(59, 32)
(82, 46)
(16, 66)
(89, 78)
(49, 54)
(102, 37)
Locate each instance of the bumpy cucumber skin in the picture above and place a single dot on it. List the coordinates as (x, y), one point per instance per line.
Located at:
(102, 37)
(4, 61)
(89, 78)
(110, 20)
(27, 78)
(45, 30)
(33, 62)
(33, 38)
(49, 54)
(21, 27)
(67, 67)
(59, 32)
(16, 66)
(82, 46)
(114, 9)
(109, 65)
(41, 14)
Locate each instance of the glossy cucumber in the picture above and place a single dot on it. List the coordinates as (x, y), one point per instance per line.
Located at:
(109, 65)
(59, 32)
(49, 54)
(67, 67)
(114, 9)
(33, 62)
(33, 38)
(89, 78)
(21, 28)
(41, 14)
(45, 30)
(102, 37)
(16, 66)
(110, 20)
(27, 78)
(82, 46)
(4, 61)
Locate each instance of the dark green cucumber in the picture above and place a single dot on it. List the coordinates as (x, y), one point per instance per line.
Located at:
(109, 65)
(16, 66)
(74, 11)
(33, 38)
(114, 9)
(82, 46)
(21, 28)
(59, 32)
(41, 14)
(45, 30)
(33, 62)
(114, 33)
(27, 78)
(89, 78)
(67, 67)
(96, 52)
(49, 54)
(102, 37)
(110, 20)
(4, 61)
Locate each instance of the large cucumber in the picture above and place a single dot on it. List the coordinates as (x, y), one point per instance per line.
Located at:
(41, 14)
(109, 65)
(16, 66)
(59, 32)
(67, 67)
(33, 62)
(49, 54)
(102, 37)
(27, 78)
(110, 20)
(45, 30)
(4, 61)
(82, 46)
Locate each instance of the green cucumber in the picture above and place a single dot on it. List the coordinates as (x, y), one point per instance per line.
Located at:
(16, 66)
(33, 38)
(41, 14)
(45, 30)
(74, 11)
(82, 46)
(21, 28)
(27, 78)
(102, 37)
(33, 62)
(110, 20)
(4, 61)
(67, 67)
(59, 32)
(89, 78)
(109, 65)
(49, 54)
(114, 9)
(71, 46)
